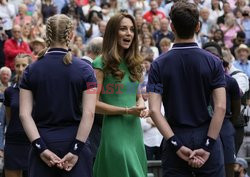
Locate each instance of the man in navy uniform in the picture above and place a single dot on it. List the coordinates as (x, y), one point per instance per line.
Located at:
(185, 79)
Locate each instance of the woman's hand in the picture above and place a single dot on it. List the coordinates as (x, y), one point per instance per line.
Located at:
(68, 162)
(136, 110)
(49, 158)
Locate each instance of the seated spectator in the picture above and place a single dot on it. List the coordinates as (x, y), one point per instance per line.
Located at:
(148, 16)
(148, 41)
(163, 32)
(5, 76)
(22, 17)
(218, 37)
(245, 23)
(48, 9)
(227, 9)
(7, 13)
(27, 34)
(165, 45)
(15, 46)
(242, 62)
(230, 29)
(240, 39)
(37, 45)
(240, 167)
(215, 10)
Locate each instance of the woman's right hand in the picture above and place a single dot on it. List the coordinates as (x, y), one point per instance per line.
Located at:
(49, 158)
(136, 110)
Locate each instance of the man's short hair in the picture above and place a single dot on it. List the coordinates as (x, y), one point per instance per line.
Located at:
(5, 68)
(95, 46)
(185, 18)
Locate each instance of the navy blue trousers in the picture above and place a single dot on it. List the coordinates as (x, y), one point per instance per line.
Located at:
(173, 166)
(83, 167)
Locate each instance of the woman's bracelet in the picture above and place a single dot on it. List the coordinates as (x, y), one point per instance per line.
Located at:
(126, 110)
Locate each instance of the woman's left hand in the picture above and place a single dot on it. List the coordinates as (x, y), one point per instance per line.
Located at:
(68, 161)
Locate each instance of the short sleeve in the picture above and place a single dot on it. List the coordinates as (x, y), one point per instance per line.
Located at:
(154, 81)
(218, 79)
(7, 97)
(90, 79)
(98, 63)
(25, 82)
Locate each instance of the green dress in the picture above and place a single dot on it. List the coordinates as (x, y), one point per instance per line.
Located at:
(121, 152)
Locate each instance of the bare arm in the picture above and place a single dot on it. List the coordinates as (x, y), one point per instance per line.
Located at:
(88, 102)
(219, 99)
(155, 113)
(26, 105)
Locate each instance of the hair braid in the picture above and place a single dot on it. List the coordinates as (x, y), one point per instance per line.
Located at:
(68, 57)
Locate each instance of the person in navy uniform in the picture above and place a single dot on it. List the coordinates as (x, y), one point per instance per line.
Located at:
(233, 101)
(184, 79)
(17, 145)
(57, 106)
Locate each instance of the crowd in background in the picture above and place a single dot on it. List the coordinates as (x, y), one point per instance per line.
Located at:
(22, 30)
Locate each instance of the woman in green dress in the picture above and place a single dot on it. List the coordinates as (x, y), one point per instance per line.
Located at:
(118, 71)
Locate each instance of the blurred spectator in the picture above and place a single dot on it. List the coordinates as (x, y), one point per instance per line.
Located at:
(102, 27)
(148, 41)
(168, 6)
(241, 62)
(3, 37)
(240, 39)
(22, 17)
(230, 29)
(240, 4)
(165, 45)
(156, 23)
(7, 13)
(37, 45)
(114, 7)
(72, 10)
(215, 11)
(238, 15)
(240, 167)
(206, 25)
(145, 28)
(146, 51)
(31, 6)
(48, 9)
(79, 29)
(227, 9)
(163, 32)
(105, 11)
(79, 44)
(27, 34)
(60, 4)
(138, 12)
(218, 37)
(15, 46)
(92, 29)
(243, 82)
(148, 16)
(129, 5)
(38, 27)
(76, 51)
(246, 23)
(5, 75)
(89, 6)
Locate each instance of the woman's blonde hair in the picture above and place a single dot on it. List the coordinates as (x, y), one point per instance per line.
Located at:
(58, 30)
(110, 54)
